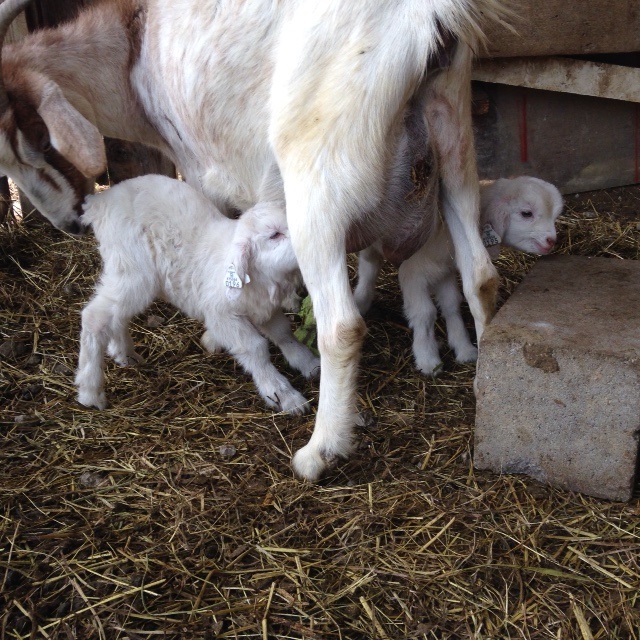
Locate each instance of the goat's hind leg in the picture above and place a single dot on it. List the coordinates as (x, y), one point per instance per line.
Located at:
(449, 300)
(370, 262)
(121, 348)
(94, 338)
(421, 314)
(105, 322)
(448, 115)
(337, 109)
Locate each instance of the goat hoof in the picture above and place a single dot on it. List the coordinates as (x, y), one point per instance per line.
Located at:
(97, 400)
(308, 464)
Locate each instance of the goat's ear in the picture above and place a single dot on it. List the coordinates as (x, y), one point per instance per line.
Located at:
(72, 135)
(236, 275)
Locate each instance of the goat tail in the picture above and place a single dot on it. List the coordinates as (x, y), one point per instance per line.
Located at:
(470, 20)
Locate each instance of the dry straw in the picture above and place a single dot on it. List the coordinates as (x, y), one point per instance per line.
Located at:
(174, 513)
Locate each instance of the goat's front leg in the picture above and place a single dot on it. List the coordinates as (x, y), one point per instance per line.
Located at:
(278, 330)
(448, 115)
(244, 342)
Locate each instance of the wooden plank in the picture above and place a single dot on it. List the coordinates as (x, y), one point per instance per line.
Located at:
(563, 74)
(561, 27)
(579, 143)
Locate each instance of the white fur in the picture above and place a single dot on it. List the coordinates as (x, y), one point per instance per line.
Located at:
(317, 89)
(158, 237)
(522, 211)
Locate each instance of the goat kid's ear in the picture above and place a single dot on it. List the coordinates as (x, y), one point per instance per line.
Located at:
(72, 135)
(236, 275)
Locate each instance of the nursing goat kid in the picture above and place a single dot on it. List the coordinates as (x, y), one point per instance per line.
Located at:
(517, 212)
(316, 90)
(159, 238)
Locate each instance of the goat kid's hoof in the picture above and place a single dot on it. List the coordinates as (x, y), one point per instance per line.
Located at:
(313, 372)
(130, 360)
(291, 402)
(467, 355)
(430, 369)
(209, 343)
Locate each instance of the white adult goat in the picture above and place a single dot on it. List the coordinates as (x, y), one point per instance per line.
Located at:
(317, 90)
(158, 237)
(517, 212)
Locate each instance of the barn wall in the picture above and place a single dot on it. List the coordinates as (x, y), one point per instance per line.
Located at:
(579, 143)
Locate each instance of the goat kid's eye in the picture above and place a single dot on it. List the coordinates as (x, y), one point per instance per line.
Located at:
(276, 235)
(526, 214)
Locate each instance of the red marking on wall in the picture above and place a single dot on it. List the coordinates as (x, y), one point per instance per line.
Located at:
(524, 144)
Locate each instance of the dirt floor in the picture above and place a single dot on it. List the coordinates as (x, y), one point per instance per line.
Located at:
(174, 513)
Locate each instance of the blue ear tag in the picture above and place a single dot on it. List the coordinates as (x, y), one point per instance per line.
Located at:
(489, 237)
(232, 279)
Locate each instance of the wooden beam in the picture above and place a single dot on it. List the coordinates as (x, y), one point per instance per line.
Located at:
(567, 27)
(565, 75)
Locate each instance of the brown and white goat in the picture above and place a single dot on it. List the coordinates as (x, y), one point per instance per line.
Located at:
(319, 91)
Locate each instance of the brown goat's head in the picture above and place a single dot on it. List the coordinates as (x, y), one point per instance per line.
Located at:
(47, 147)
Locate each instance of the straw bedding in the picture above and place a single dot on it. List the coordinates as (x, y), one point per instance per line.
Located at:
(174, 513)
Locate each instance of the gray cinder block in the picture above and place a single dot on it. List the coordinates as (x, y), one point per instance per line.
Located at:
(558, 379)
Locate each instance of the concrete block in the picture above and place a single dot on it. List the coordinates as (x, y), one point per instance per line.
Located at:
(558, 379)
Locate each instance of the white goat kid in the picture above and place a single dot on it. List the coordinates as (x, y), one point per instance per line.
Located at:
(226, 88)
(158, 237)
(518, 212)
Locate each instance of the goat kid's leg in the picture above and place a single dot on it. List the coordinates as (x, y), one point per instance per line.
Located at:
(449, 298)
(421, 315)
(121, 348)
(209, 343)
(105, 326)
(94, 337)
(244, 342)
(448, 115)
(369, 264)
(299, 356)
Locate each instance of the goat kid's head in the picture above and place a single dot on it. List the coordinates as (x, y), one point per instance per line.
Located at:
(47, 147)
(523, 211)
(261, 250)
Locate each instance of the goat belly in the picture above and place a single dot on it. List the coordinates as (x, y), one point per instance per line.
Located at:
(401, 247)
(402, 225)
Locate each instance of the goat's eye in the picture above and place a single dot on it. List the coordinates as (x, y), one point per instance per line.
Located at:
(276, 235)
(526, 213)
(45, 147)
